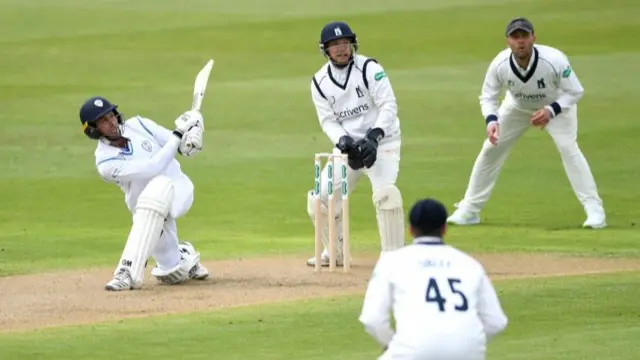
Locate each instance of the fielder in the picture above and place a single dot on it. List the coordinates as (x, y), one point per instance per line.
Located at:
(138, 155)
(542, 91)
(443, 302)
(357, 110)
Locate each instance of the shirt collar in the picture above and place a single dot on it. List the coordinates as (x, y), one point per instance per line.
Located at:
(428, 240)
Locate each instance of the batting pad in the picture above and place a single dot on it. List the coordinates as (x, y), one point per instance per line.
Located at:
(152, 208)
(324, 219)
(388, 203)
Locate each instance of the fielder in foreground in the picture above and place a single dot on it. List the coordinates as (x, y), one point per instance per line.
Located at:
(542, 91)
(357, 111)
(442, 300)
(138, 155)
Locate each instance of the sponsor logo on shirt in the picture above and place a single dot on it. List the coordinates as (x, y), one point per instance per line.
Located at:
(530, 97)
(347, 113)
(379, 76)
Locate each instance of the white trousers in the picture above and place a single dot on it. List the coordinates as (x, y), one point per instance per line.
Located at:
(435, 350)
(393, 355)
(166, 252)
(513, 123)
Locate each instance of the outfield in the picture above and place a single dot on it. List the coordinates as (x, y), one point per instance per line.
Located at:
(569, 293)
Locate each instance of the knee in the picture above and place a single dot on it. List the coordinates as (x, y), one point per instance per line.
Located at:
(488, 148)
(311, 204)
(324, 204)
(181, 205)
(387, 198)
(157, 196)
(567, 147)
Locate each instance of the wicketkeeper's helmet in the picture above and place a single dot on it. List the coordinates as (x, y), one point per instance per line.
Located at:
(334, 31)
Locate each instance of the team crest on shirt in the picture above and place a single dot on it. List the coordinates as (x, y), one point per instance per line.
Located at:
(147, 145)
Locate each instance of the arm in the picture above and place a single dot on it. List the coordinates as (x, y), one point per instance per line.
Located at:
(327, 118)
(570, 85)
(376, 310)
(159, 132)
(493, 318)
(489, 97)
(116, 169)
(383, 96)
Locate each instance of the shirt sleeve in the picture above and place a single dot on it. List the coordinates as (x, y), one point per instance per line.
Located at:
(377, 307)
(383, 97)
(328, 120)
(159, 132)
(493, 318)
(569, 84)
(490, 94)
(118, 169)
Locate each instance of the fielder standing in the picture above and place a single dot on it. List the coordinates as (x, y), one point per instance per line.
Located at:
(357, 111)
(443, 303)
(542, 91)
(138, 155)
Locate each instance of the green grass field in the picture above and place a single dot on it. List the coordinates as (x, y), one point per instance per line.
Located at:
(252, 178)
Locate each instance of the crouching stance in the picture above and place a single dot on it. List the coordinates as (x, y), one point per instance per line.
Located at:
(139, 156)
(357, 111)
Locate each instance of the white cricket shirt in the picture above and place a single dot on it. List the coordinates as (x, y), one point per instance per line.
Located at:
(354, 99)
(549, 81)
(442, 301)
(150, 152)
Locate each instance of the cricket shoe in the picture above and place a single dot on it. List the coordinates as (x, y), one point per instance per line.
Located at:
(197, 271)
(121, 281)
(463, 217)
(596, 218)
(324, 260)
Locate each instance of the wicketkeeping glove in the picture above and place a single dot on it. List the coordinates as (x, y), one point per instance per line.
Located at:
(345, 144)
(369, 149)
(348, 146)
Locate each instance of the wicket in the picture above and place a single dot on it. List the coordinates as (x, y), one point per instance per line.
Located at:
(344, 193)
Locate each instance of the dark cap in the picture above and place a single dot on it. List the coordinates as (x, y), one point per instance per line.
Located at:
(519, 24)
(428, 215)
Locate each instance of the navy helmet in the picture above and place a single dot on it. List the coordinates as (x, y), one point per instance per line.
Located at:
(428, 216)
(92, 110)
(337, 30)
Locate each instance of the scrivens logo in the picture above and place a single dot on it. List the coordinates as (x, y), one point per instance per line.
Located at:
(347, 113)
(530, 97)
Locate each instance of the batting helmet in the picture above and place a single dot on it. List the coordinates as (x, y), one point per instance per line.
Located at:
(92, 110)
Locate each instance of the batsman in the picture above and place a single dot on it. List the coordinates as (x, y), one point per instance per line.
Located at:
(357, 111)
(138, 155)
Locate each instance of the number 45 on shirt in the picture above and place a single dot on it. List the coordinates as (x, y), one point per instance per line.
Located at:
(435, 295)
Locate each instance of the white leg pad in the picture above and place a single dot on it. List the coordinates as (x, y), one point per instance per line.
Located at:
(389, 212)
(151, 211)
(324, 219)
